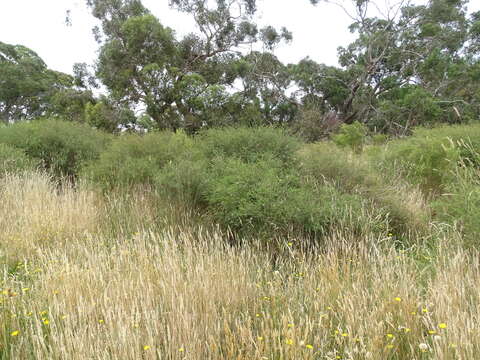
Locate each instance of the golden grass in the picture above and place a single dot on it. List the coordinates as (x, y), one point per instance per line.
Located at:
(73, 289)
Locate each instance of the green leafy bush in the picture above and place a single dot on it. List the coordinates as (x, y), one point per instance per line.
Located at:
(460, 204)
(133, 159)
(353, 136)
(261, 197)
(430, 156)
(61, 147)
(248, 144)
(184, 179)
(351, 174)
(14, 160)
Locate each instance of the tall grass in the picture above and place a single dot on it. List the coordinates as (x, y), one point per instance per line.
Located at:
(158, 285)
(72, 288)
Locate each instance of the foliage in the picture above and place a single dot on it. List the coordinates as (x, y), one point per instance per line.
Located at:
(28, 89)
(133, 159)
(351, 135)
(247, 180)
(61, 147)
(409, 65)
(106, 116)
(460, 204)
(274, 201)
(180, 81)
(248, 144)
(325, 164)
(69, 104)
(14, 160)
(430, 155)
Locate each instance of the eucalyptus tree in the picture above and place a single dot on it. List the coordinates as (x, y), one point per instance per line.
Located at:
(181, 82)
(27, 86)
(410, 64)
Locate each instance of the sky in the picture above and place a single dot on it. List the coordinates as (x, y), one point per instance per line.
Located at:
(40, 25)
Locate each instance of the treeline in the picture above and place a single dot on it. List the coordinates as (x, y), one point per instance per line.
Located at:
(409, 65)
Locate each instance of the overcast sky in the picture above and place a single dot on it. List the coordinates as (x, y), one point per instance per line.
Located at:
(40, 25)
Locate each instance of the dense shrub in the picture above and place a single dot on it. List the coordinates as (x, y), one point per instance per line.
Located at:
(185, 180)
(459, 204)
(324, 163)
(134, 159)
(248, 144)
(61, 147)
(265, 196)
(430, 156)
(351, 135)
(243, 199)
(14, 160)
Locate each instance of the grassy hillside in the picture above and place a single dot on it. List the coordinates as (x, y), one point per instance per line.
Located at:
(269, 250)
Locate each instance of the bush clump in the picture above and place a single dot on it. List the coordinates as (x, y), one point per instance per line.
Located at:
(352, 136)
(351, 174)
(460, 202)
(248, 144)
(60, 147)
(134, 159)
(13, 160)
(429, 157)
(249, 181)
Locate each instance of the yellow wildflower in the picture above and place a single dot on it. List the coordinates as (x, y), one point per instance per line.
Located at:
(15, 333)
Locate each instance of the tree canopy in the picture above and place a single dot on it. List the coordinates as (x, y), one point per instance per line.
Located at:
(408, 65)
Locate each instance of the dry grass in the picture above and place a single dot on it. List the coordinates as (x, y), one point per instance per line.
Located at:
(75, 289)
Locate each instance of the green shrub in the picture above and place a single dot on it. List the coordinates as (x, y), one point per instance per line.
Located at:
(460, 204)
(351, 174)
(14, 160)
(61, 147)
(184, 179)
(261, 197)
(353, 136)
(430, 156)
(248, 144)
(133, 159)
(379, 139)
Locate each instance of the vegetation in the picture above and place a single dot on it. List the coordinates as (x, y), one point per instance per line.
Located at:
(69, 282)
(59, 146)
(14, 160)
(278, 238)
(231, 218)
(409, 65)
